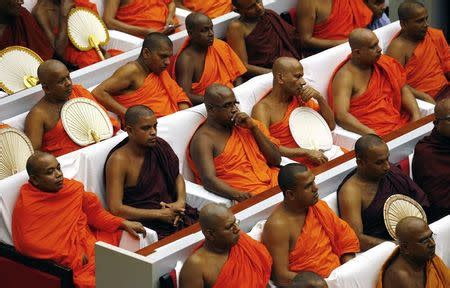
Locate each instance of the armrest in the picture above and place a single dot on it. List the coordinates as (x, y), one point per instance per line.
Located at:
(197, 196)
(425, 108)
(132, 244)
(344, 138)
(122, 41)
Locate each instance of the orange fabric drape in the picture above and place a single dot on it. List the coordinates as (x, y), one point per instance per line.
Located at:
(323, 240)
(222, 66)
(63, 227)
(241, 164)
(211, 8)
(56, 141)
(3, 125)
(380, 106)
(159, 92)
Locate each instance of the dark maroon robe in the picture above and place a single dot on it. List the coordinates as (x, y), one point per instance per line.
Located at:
(395, 182)
(271, 38)
(156, 184)
(431, 171)
(24, 31)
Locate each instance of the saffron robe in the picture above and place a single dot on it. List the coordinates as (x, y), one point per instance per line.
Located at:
(211, 8)
(145, 13)
(156, 184)
(345, 16)
(380, 106)
(323, 240)
(158, 92)
(425, 70)
(431, 170)
(395, 182)
(271, 38)
(241, 164)
(63, 227)
(25, 31)
(56, 141)
(222, 66)
(437, 273)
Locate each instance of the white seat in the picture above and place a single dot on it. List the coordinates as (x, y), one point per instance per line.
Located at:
(332, 202)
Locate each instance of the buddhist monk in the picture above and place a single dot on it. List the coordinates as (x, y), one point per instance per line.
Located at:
(303, 233)
(144, 81)
(423, 51)
(141, 17)
(43, 124)
(362, 194)
(431, 162)
(288, 93)
(143, 181)
(368, 91)
(18, 27)
(211, 8)
(204, 60)
(54, 218)
(307, 279)
(259, 36)
(414, 263)
(227, 257)
(52, 16)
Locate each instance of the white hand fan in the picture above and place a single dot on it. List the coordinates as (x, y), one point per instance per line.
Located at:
(86, 30)
(309, 129)
(85, 121)
(18, 69)
(15, 148)
(396, 208)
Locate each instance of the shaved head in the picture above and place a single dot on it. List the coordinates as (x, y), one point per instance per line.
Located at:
(134, 113)
(365, 143)
(307, 279)
(215, 93)
(283, 64)
(408, 227)
(287, 176)
(360, 37)
(47, 70)
(194, 19)
(34, 162)
(211, 214)
(155, 40)
(408, 9)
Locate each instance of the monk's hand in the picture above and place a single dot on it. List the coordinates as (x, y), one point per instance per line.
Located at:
(134, 228)
(241, 119)
(316, 156)
(241, 196)
(168, 215)
(308, 92)
(66, 6)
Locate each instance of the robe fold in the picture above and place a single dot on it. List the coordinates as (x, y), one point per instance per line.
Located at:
(222, 66)
(395, 182)
(345, 16)
(158, 92)
(150, 14)
(323, 240)
(437, 273)
(63, 227)
(271, 38)
(431, 170)
(241, 164)
(380, 106)
(156, 184)
(56, 141)
(211, 8)
(25, 31)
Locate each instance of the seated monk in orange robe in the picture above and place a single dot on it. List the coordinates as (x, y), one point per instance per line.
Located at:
(414, 263)
(144, 81)
(204, 60)
(368, 91)
(323, 240)
(231, 154)
(227, 257)
(47, 14)
(18, 27)
(423, 51)
(211, 8)
(55, 219)
(141, 17)
(284, 98)
(43, 124)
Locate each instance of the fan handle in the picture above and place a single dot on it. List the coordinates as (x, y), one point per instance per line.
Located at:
(95, 136)
(30, 81)
(94, 43)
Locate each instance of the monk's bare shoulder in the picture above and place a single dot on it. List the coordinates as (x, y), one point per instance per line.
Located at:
(394, 276)
(350, 187)
(277, 222)
(236, 28)
(38, 112)
(261, 108)
(398, 49)
(118, 158)
(131, 68)
(344, 77)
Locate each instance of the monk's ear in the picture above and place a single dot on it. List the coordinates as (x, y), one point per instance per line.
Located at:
(279, 78)
(209, 234)
(33, 180)
(146, 52)
(289, 194)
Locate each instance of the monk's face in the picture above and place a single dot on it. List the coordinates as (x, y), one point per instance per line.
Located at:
(377, 7)
(417, 25)
(223, 108)
(225, 234)
(371, 51)
(143, 133)
(202, 34)
(49, 177)
(292, 79)
(10, 8)
(250, 9)
(158, 60)
(375, 162)
(57, 84)
(305, 193)
(420, 245)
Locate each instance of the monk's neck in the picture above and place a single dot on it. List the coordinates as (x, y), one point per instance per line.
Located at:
(293, 208)
(278, 94)
(361, 66)
(415, 265)
(142, 66)
(409, 38)
(54, 101)
(214, 249)
(366, 178)
(135, 149)
(198, 48)
(213, 124)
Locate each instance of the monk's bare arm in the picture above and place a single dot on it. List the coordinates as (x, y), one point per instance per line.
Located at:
(270, 151)
(181, 190)
(409, 103)
(235, 38)
(184, 71)
(306, 18)
(170, 16)
(325, 109)
(34, 128)
(179, 4)
(191, 275)
(394, 278)
(350, 210)
(342, 91)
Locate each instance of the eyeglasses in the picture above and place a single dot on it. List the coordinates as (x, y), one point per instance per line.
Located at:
(428, 239)
(228, 105)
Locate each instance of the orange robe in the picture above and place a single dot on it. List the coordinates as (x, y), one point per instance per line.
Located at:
(345, 16)
(241, 164)
(4, 126)
(63, 227)
(145, 13)
(437, 273)
(425, 70)
(211, 8)
(222, 66)
(56, 141)
(323, 240)
(158, 92)
(380, 106)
